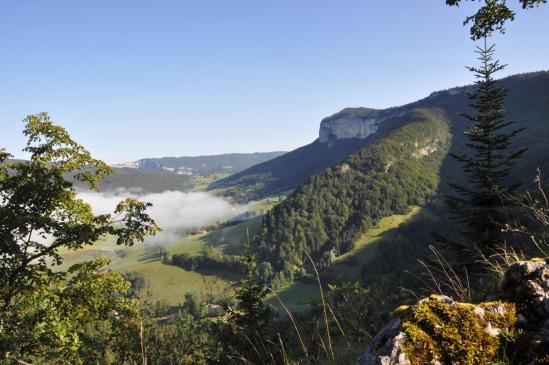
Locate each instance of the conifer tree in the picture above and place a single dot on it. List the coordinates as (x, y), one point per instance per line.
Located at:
(247, 335)
(479, 203)
(252, 314)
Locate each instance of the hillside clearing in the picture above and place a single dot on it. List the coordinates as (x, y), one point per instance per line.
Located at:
(348, 266)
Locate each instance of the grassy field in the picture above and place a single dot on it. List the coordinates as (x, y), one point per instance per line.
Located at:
(264, 205)
(164, 282)
(230, 240)
(296, 297)
(201, 183)
(169, 283)
(347, 267)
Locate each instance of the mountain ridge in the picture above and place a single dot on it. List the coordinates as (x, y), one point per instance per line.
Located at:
(226, 163)
(292, 169)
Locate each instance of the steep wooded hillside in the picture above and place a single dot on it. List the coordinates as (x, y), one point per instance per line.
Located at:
(328, 213)
(331, 210)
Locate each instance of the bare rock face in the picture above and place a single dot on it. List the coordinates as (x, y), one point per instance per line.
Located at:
(349, 123)
(527, 284)
(386, 347)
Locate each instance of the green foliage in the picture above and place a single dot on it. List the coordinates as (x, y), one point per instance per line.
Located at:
(247, 336)
(183, 340)
(209, 259)
(43, 310)
(488, 162)
(69, 320)
(360, 311)
(455, 333)
(326, 215)
(492, 16)
(252, 314)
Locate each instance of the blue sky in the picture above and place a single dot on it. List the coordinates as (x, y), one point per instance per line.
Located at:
(132, 79)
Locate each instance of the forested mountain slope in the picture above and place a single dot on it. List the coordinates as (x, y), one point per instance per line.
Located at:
(331, 210)
(527, 102)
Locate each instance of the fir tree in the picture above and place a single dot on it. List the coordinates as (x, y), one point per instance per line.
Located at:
(479, 204)
(247, 335)
(252, 315)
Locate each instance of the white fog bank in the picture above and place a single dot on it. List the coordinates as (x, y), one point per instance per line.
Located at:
(173, 211)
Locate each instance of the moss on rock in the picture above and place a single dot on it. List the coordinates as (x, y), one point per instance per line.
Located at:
(439, 330)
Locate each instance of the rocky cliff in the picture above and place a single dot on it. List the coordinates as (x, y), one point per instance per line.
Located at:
(348, 123)
(357, 123)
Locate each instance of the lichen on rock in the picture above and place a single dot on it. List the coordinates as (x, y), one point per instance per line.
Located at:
(438, 330)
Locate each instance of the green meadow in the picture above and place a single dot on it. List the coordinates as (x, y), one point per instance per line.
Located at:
(169, 283)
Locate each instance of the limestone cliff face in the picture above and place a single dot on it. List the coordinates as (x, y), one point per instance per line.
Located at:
(357, 123)
(349, 123)
(363, 122)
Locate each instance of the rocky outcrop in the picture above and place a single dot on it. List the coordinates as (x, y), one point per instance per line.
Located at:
(359, 123)
(386, 347)
(426, 149)
(438, 330)
(349, 123)
(527, 284)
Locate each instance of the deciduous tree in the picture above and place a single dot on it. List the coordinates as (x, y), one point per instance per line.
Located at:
(492, 16)
(45, 311)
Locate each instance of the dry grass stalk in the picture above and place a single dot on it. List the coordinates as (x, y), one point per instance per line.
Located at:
(338, 325)
(285, 356)
(292, 319)
(444, 280)
(323, 306)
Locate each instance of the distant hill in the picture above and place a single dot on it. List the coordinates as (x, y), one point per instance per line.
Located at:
(354, 128)
(147, 181)
(179, 173)
(202, 165)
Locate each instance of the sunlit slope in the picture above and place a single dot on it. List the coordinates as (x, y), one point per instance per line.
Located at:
(347, 267)
(164, 282)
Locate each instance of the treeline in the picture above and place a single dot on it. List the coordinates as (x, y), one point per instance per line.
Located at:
(208, 260)
(326, 215)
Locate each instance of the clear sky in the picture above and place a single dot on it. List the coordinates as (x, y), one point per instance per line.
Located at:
(132, 78)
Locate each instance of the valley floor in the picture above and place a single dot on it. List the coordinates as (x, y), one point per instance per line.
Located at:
(169, 284)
